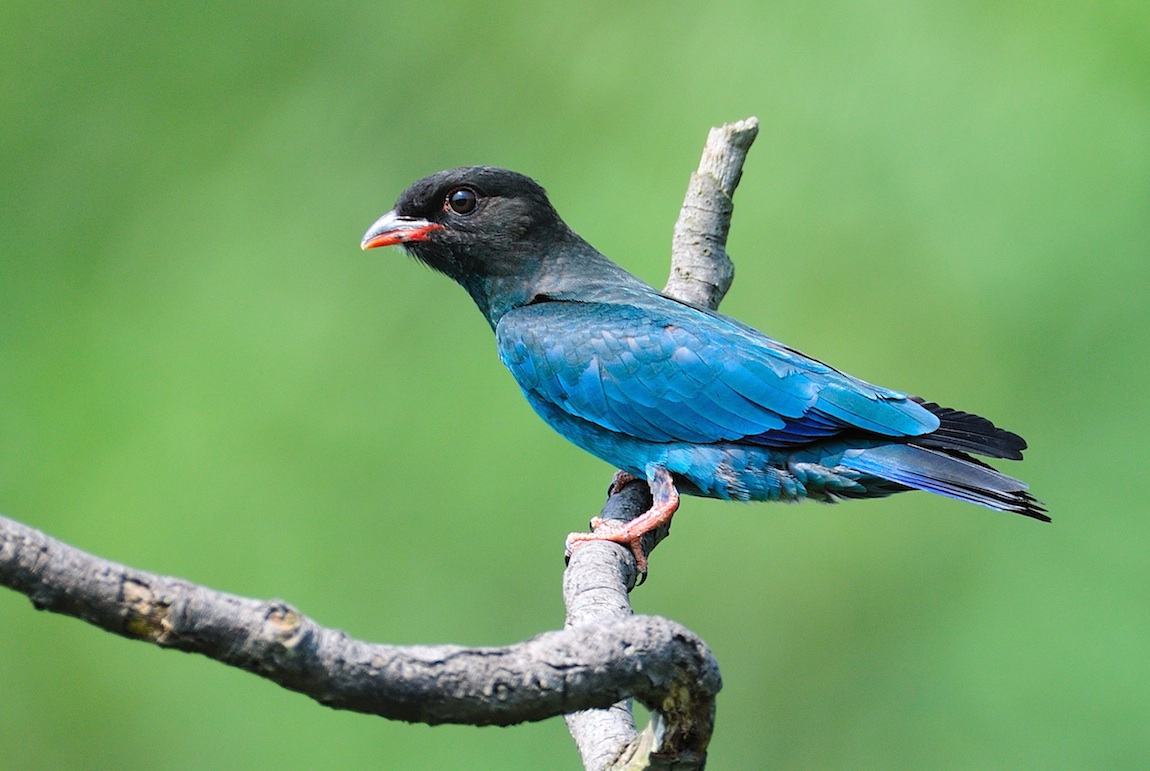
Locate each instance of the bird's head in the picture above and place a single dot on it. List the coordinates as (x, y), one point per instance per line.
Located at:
(472, 222)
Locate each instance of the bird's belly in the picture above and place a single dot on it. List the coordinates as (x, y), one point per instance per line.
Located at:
(724, 470)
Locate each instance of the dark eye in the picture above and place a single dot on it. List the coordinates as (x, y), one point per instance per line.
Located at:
(461, 200)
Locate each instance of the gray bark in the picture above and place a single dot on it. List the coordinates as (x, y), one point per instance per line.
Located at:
(701, 271)
(657, 661)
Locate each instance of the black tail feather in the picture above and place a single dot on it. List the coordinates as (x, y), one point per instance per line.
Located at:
(964, 432)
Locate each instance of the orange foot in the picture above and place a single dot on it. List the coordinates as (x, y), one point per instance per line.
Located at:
(630, 534)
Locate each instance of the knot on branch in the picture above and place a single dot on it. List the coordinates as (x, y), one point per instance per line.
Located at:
(145, 616)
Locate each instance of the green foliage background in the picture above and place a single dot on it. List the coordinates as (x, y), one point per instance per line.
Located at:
(200, 374)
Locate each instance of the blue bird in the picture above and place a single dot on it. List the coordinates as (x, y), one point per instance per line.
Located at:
(688, 399)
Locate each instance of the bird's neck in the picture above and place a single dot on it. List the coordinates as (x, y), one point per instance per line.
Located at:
(578, 273)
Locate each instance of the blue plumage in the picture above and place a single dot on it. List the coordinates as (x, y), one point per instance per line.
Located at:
(687, 398)
(661, 371)
(724, 409)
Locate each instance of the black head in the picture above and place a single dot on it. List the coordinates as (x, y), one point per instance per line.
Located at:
(472, 221)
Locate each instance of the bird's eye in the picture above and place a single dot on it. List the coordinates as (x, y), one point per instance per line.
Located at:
(461, 200)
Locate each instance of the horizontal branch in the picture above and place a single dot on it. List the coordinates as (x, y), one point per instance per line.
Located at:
(652, 659)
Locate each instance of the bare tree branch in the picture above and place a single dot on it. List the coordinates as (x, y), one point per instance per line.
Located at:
(601, 573)
(604, 656)
(701, 271)
(657, 661)
(595, 591)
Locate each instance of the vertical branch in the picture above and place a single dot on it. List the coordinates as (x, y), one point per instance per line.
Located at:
(595, 587)
(600, 574)
(701, 271)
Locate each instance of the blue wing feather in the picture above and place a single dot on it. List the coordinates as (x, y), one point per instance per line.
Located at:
(665, 372)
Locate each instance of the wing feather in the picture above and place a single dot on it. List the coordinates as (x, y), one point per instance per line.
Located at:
(671, 373)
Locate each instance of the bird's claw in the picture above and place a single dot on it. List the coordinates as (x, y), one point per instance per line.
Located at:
(615, 532)
(630, 534)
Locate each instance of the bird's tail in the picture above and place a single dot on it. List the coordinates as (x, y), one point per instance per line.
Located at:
(965, 433)
(950, 473)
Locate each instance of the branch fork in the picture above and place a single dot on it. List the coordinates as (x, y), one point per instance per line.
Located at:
(588, 671)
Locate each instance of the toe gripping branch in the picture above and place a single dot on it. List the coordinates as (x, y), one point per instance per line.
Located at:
(632, 517)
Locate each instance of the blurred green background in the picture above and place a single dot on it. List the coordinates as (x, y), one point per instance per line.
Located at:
(201, 375)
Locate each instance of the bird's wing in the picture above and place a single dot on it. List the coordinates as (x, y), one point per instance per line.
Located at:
(675, 373)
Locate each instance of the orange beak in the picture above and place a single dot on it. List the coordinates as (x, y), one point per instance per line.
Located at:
(391, 229)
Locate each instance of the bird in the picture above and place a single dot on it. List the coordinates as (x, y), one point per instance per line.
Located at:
(688, 399)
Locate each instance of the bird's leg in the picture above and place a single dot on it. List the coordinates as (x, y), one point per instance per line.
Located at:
(665, 503)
